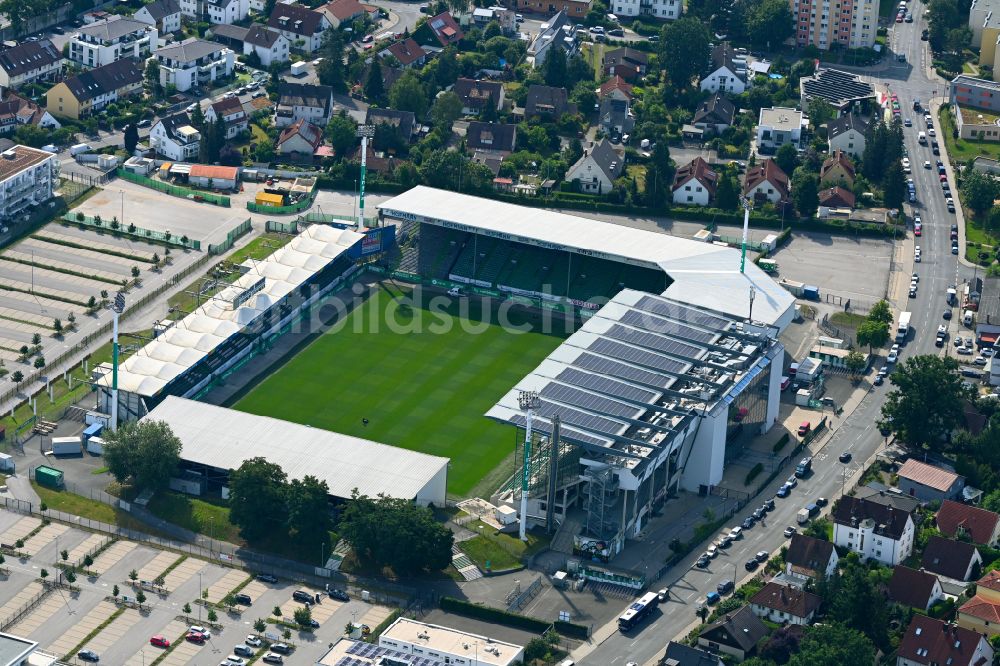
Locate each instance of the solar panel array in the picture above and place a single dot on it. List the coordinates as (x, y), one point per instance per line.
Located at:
(606, 385)
(650, 322)
(607, 366)
(371, 651)
(624, 352)
(837, 86)
(677, 311)
(544, 427)
(589, 401)
(654, 341)
(353, 661)
(571, 416)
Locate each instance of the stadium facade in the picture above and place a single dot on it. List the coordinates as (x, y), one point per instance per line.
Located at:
(676, 366)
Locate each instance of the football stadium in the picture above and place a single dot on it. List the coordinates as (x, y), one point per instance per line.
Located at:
(649, 360)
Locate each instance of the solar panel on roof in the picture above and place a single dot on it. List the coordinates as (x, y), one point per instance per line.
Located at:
(577, 417)
(657, 324)
(614, 368)
(543, 426)
(677, 311)
(653, 341)
(606, 385)
(635, 355)
(589, 401)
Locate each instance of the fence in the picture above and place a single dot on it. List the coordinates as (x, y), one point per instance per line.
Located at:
(296, 207)
(290, 228)
(23, 609)
(231, 237)
(131, 231)
(175, 190)
(327, 218)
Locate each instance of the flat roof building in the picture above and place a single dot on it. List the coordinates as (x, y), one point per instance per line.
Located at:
(17, 651)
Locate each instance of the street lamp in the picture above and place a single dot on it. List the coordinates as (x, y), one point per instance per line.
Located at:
(117, 307)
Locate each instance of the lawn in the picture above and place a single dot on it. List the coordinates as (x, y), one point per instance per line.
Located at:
(849, 319)
(198, 515)
(423, 379)
(497, 551)
(963, 150)
(78, 505)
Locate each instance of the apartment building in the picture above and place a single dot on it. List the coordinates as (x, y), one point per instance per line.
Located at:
(90, 91)
(302, 27)
(666, 10)
(173, 137)
(193, 63)
(27, 179)
(110, 40)
(824, 23)
(28, 62)
(872, 530)
(216, 12)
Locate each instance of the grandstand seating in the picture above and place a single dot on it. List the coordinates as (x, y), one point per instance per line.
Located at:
(438, 249)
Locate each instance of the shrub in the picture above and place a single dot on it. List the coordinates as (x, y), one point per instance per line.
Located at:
(781, 443)
(753, 473)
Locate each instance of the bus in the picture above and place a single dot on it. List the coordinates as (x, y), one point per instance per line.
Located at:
(903, 327)
(637, 611)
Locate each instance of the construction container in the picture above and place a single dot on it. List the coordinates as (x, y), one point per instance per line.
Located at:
(49, 477)
(93, 430)
(95, 445)
(66, 446)
(6, 463)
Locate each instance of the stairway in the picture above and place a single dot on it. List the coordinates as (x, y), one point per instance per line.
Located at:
(465, 566)
(562, 542)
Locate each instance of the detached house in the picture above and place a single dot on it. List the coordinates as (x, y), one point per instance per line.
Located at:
(476, 95)
(930, 642)
(404, 121)
(959, 521)
(548, 102)
(193, 63)
(928, 483)
(715, 115)
(695, 183)
(497, 138)
(440, 30)
(303, 101)
(232, 113)
(29, 62)
(778, 126)
(597, 169)
(300, 140)
(90, 91)
(872, 530)
(727, 72)
(269, 45)
(837, 169)
(342, 13)
(785, 604)
(982, 612)
(173, 137)
(847, 133)
(626, 63)
(407, 52)
(836, 198)
(108, 41)
(678, 654)
(735, 634)
(216, 12)
(766, 183)
(914, 588)
(16, 110)
(809, 557)
(615, 88)
(165, 15)
(956, 560)
(301, 26)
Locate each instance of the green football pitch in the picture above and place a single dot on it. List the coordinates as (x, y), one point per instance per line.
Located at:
(421, 378)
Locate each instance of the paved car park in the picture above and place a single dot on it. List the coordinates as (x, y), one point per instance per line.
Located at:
(849, 267)
(158, 565)
(112, 556)
(183, 572)
(19, 530)
(223, 586)
(67, 640)
(43, 538)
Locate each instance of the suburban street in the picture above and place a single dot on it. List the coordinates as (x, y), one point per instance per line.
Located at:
(857, 432)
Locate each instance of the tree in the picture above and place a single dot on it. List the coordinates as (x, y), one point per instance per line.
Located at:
(64, 554)
(302, 616)
(881, 312)
(447, 108)
(257, 495)
(408, 94)
(855, 362)
(17, 377)
(659, 176)
(71, 320)
(286, 634)
(276, 611)
(330, 70)
(873, 333)
(263, 150)
(833, 645)
(308, 513)
(342, 132)
(894, 186)
(979, 191)
(198, 118)
(131, 138)
(212, 615)
(554, 67)
(727, 194)
(781, 645)
(144, 454)
(87, 561)
(374, 84)
(787, 158)
(70, 576)
(927, 401)
(39, 362)
(259, 625)
(820, 112)
(770, 24)
(186, 609)
(805, 192)
(115, 592)
(450, 169)
(44, 573)
(152, 75)
(684, 50)
(133, 575)
(36, 339)
(854, 597)
(396, 533)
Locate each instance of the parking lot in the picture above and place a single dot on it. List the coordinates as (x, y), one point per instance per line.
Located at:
(848, 267)
(61, 619)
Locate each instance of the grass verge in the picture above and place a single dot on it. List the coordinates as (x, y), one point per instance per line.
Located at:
(848, 319)
(92, 634)
(493, 550)
(78, 505)
(208, 517)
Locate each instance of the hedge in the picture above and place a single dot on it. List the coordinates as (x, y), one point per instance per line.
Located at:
(514, 620)
(753, 473)
(780, 444)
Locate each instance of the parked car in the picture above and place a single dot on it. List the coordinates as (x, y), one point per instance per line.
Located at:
(712, 598)
(281, 648)
(784, 491)
(768, 505)
(88, 655)
(242, 599)
(302, 596)
(748, 522)
(243, 650)
(253, 641)
(822, 501)
(845, 457)
(339, 595)
(789, 531)
(762, 556)
(272, 658)
(702, 562)
(159, 641)
(725, 587)
(751, 564)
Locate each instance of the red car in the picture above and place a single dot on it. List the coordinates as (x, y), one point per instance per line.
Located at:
(899, 18)
(195, 637)
(159, 641)
(916, 231)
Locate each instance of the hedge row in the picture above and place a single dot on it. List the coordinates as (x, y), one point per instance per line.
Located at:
(514, 620)
(753, 473)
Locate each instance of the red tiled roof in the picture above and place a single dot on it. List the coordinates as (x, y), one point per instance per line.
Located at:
(312, 134)
(836, 197)
(788, 599)
(991, 581)
(981, 608)
(209, 171)
(930, 641)
(927, 475)
(615, 83)
(838, 157)
(407, 51)
(766, 170)
(697, 169)
(979, 524)
(344, 9)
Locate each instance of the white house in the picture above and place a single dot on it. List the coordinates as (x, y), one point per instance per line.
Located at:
(27, 179)
(300, 139)
(216, 12)
(302, 27)
(30, 61)
(848, 134)
(785, 604)
(232, 113)
(665, 10)
(303, 101)
(597, 169)
(915, 588)
(269, 45)
(173, 137)
(728, 71)
(695, 183)
(108, 41)
(777, 126)
(931, 642)
(194, 62)
(766, 183)
(164, 14)
(872, 530)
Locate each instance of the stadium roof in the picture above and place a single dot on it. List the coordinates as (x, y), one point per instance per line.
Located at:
(224, 438)
(703, 274)
(195, 336)
(636, 372)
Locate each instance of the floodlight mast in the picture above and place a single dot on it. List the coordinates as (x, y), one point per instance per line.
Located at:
(117, 307)
(365, 132)
(528, 401)
(747, 204)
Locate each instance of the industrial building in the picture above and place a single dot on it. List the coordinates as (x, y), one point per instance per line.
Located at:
(216, 439)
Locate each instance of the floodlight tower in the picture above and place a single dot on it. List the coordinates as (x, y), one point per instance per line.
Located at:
(528, 402)
(747, 204)
(116, 307)
(365, 132)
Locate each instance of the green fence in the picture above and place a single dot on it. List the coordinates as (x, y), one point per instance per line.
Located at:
(327, 218)
(231, 237)
(296, 207)
(175, 190)
(290, 228)
(131, 231)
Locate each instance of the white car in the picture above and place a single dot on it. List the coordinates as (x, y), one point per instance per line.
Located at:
(931, 132)
(915, 278)
(713, 551)
(987, 352)
(942, 330)
(893, 354)
(253, 641)
(199, 629)
(927, 164)
(963, 351)
(736, 533)
(916, 257)
(979, 360)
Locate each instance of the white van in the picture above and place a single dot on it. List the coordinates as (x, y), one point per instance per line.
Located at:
(922, 138)
(80, 148)
(967, 317)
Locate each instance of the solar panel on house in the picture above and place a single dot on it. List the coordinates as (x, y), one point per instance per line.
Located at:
(589, 401)
(614, 368)
(642, 357)
(606, 386)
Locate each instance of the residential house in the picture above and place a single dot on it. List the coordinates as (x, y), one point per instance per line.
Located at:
(216, 12)
(16, 110)
(887, 496)
(615, 116)
(90, 91)
(28, 178)
(505, 18)
(489, 159)
(872, 530)
(440, 30)
(836, 197)
(785, 604)
(809, 557)
(574, 9)
(695, 183)
(342, 13)
(108, 41)
(476, 95)
(626, 63)
(837, 169)
(300, 140)
(847, 134)
(404, 121)
(174, 138)
(955, 560)
(914, 588)
(982, 612)
(597, 169)
(778, 126)
(232, 113)
(302, 27)
(303, 101)
(615, 88)
(213, 177)
(664, 10)
(407, 52)
(727, 71)
(930, 642)
(269, 45)
(715, 115)
(766, 182)
(678, 654)
(497, 138)
(557, 32)
(929, 483)
(970, 92)
(735, 634)
(194, 63)
(28, 62)
(961, 521)
(547, 102)
(164, 14)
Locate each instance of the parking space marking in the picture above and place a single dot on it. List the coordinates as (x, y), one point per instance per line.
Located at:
(89, 544)
(158, 565)
(39, 615)
(57, 264)
(224, 585)
(49, 250)
(114, 632)
(92, 620)
(45, 536)
(112, 556)
(23, 596)
(321, 612)
(255, 589)
(19, 530)
(376, 615)
(183, 572)
(149, 653)
(98, 246)
(39, 301)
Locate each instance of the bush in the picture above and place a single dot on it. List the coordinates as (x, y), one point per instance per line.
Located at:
(506, 619)
(781, 443)
(753, 473)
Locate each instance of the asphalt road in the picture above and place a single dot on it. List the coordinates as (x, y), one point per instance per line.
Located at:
(858, 434)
